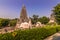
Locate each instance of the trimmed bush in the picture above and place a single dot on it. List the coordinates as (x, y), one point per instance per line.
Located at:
(6, 36)
(30, 34)
(35, 34)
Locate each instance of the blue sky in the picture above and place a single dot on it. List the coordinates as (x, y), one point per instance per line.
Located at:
(12, 8)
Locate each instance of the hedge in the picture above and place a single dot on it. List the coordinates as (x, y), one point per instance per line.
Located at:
(30, 34)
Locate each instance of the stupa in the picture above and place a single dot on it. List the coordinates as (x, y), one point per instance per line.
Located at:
(24, 21)
(23, 15)
(52, 19)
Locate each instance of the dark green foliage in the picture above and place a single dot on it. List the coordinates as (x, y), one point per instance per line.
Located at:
(34, 19)
(1, 22)
(13, 22)
(6, 36)
(4, 22)
(44, 20)
(56, 12)
(7, 22)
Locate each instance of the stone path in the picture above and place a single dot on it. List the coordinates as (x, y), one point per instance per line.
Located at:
(56, 36)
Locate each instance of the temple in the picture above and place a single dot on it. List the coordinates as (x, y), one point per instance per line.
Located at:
(24, 21)
(23, 15)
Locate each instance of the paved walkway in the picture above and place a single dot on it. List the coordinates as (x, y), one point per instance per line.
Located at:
(56, 36)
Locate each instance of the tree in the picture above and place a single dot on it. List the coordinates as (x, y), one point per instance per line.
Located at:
(34, 19)
(44, 20)
(13, 22)
(56, 12)
(5, 22)
(1, 22)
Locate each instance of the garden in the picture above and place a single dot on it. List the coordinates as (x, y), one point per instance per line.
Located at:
(31, 34)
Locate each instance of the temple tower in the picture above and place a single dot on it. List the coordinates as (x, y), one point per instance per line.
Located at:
(24, 21)
(23, 15)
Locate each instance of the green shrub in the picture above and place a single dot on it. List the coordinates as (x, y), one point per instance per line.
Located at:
(30, 34)
(58, 28)
(35, 34)
(6, 36)
(13, 22)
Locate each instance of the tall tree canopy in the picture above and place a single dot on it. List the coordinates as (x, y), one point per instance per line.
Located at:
(56, 12)
(34, 19)
(44, 20)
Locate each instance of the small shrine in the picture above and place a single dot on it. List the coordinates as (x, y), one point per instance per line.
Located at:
(52, 19)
